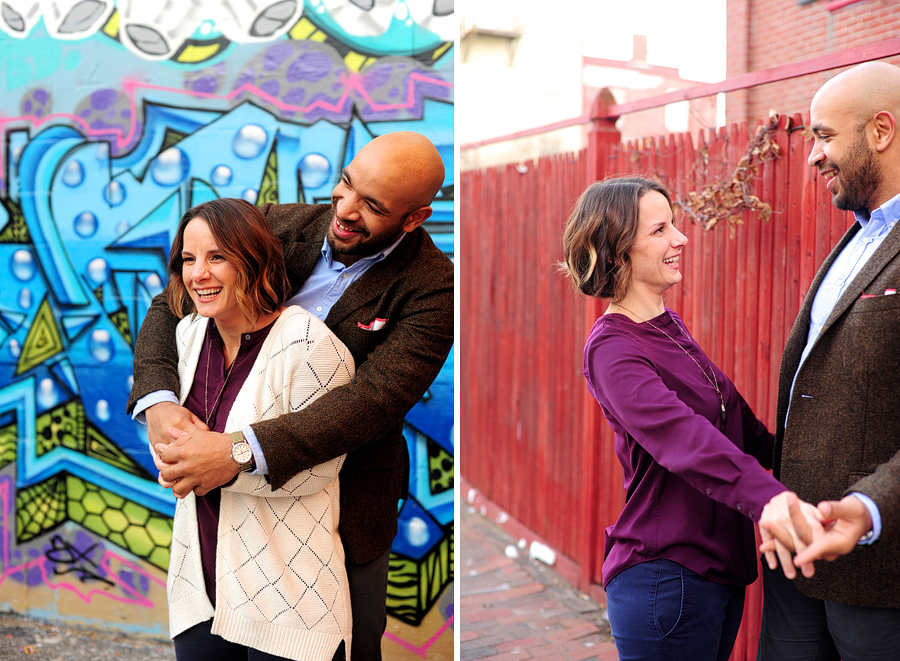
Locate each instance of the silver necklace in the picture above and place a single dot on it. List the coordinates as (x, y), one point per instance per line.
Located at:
(209, 412)
(714, 382)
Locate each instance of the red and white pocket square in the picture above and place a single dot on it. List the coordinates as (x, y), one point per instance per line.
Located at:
(375, 325)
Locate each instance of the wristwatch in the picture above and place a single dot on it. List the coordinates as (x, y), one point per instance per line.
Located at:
(241, 452)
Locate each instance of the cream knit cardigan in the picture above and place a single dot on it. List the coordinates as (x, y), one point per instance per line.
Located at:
(281, 584)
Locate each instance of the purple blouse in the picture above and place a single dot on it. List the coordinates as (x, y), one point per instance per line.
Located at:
(693, 484)
(202, 402)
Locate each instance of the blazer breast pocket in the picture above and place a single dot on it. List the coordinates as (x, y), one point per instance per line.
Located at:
(374, 325)
(881, 302)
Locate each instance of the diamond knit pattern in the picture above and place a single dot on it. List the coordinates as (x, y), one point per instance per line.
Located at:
(280, 562)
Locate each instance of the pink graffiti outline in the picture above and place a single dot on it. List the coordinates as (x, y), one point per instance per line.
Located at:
(351, 82)
(423, 650)
(6, 536)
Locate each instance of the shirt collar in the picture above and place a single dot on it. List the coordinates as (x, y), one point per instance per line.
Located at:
(886, 213)
(371, 259)
(247, 339)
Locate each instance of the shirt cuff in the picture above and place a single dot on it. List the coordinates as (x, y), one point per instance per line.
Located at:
(145, 402)
(876, 519)
(262, 468)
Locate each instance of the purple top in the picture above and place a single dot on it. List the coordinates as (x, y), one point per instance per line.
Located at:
(208, 390)
(693, 484)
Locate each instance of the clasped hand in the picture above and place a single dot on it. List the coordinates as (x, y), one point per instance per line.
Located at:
(188, 456)
(825, 532)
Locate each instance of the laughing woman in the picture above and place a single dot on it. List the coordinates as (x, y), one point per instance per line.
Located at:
(679, 556)
(255, 574)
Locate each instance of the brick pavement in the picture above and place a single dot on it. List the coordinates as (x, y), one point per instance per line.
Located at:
(516, 608)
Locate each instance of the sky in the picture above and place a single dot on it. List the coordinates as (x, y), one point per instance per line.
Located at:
(686, 36)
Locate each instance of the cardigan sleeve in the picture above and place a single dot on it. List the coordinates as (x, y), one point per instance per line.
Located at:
(628, 385)
(291, 378)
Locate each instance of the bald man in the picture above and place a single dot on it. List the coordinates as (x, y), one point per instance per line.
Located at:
(365, 266)
(838, 423)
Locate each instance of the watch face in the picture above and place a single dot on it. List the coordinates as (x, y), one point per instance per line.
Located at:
(242, 453)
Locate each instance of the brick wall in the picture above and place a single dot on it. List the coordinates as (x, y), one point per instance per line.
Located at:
(768, 33)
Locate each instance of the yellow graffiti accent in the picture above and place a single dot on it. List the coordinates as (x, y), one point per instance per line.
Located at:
(62, 426)
(112, 25)
(99, 446)
(415, 586)
(9, 442)
(357, 62)
(268, 190)
(441, 50)
(119, 318)
(16, 231)
(302, 30)
(440, 468)
(40, 508)
(319, 36)
(43, 340)
(192, 54)
(354, 61)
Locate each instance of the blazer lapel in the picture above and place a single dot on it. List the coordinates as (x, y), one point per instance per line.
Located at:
(800, 329)
(885, 253)
(300, 257)
(373, 283)
(793, 348)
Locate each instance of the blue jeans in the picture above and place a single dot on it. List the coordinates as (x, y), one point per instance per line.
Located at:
(661, 611)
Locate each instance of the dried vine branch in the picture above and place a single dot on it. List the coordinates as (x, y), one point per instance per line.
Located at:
(725, 200)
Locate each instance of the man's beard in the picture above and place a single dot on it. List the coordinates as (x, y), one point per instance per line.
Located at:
(860, 175)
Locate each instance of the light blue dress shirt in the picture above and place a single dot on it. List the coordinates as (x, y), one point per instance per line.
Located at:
(322, 289)
(843, 270)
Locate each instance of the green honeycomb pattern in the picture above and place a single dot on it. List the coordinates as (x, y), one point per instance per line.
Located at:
(143, 532)
(9, 438)
(40, 508)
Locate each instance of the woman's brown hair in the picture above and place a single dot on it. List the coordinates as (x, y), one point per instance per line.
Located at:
(600, 232)
(243, 235)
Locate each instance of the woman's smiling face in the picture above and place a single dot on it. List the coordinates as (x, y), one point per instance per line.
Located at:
(208, 275)
(656, 253)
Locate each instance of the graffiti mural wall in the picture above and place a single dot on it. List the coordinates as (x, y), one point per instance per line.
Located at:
(115, 119)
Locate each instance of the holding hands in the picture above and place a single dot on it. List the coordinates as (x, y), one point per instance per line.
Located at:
(187, 455)
(825, 532)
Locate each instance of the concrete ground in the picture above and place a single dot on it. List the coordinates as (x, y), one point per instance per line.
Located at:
(23, 638)
(517, 608)
(26, 638)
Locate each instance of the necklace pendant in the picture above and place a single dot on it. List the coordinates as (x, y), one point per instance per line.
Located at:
(723, 412)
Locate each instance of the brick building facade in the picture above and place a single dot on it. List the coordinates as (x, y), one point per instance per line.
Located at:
(767, 33)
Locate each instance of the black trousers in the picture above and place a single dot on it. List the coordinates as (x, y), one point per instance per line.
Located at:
(368, 597)
(199, 644)
(801, 628)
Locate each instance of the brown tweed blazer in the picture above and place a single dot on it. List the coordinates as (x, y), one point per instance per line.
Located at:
(843, 433)
(413, 290)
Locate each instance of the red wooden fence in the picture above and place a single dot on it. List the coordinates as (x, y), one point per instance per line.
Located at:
(532, 439)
